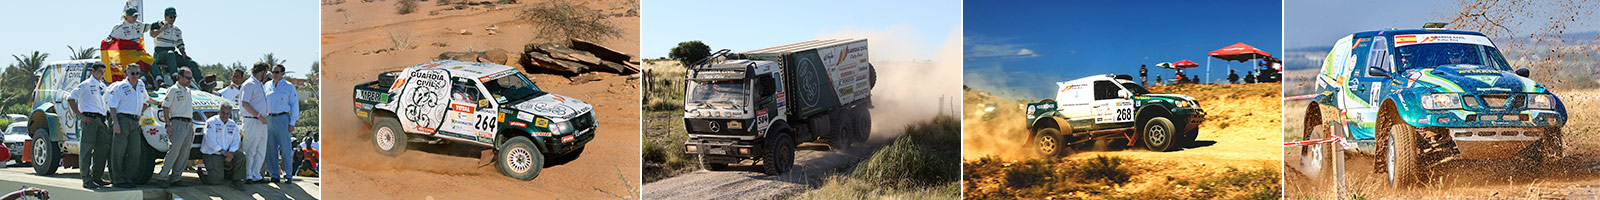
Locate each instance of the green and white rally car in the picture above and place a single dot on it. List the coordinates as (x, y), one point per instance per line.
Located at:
(1111, 107)
(479, 104)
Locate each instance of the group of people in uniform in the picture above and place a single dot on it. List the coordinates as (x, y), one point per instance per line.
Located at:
(234, 150)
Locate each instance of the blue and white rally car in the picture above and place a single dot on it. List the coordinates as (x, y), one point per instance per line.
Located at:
(1420, 97)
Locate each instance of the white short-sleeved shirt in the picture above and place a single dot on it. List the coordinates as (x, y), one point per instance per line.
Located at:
(231, 93)
(129, 31)
(90, 95)
(172, 37)
(180, 100)
(127, 98)
(222, 135)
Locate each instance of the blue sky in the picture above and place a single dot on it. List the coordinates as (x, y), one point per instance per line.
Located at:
(215, 31)
(1021, 48)
(747, 25)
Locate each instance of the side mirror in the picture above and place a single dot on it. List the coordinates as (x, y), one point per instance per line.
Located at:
(1522, 72)
(1377, 72)
(1124, 94)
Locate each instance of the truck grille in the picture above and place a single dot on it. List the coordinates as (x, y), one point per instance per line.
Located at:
(713, 126)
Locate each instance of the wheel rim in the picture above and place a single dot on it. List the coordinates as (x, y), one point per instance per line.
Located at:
(519, 159)
(1158, 134)
(39, 150)
(1047, 144)
(385, 138)
(786, 157)
(1389, 160)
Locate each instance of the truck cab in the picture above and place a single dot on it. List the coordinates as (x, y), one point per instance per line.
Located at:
(476, 104)
(1111, 107)
(55, 131)
(1421, 96)
(758, 105)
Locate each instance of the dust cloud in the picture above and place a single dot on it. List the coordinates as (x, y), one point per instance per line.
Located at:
(912, 80)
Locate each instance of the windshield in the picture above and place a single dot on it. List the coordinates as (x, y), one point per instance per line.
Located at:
(514, 86)
(730, 94)
(17, 130)
(1420, 56)
(1135, 88)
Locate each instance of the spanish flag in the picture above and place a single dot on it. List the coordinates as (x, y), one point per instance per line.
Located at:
(118, 53)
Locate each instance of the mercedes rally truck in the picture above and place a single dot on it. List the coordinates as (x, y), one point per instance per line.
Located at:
(1421, 97)
(758, 105)
(1111, 107)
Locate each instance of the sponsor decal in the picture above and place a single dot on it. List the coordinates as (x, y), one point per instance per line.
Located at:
(519, 124)
(501, 117)
(735, 125)
(425, 130)
(399, 82)
(461, 108)
(1405, 39)
(485, 79)
(566, 139)
(541, 134)
(361, 113)
(541, 123)
(559, 98)
(761, 112)
(424, 99)
(1486, 79)
(1477, 71)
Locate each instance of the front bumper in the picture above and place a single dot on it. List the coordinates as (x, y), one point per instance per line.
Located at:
(1479, 143)
(562, 144)
(723, 150)
(15, 148)
(1192, 118)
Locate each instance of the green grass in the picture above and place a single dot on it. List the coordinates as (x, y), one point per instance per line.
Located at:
(913, 167)
(664, 156)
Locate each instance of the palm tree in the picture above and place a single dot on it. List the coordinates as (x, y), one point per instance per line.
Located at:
(29, 63)
(272, 60)
(85, 53)
(20, 78)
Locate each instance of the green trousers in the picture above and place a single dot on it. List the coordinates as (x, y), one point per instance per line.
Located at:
(221, 172)
(126, 150)
(95, 151)
(167, 63)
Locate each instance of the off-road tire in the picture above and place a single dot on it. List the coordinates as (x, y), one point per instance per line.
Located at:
(1048, 143)
(388, 138)
(1402, 157)
(1159, 135)
(779, 157)
(863, 125)
(147, 162)
(519, 159)
(46, 154)
(1317, 160)
(710, 166)
(842, 138)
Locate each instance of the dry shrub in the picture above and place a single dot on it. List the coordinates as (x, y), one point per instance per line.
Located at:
(405, 7)
(562, 19)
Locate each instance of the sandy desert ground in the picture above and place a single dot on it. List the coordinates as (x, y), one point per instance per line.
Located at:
(1240, 135)
(357, 46)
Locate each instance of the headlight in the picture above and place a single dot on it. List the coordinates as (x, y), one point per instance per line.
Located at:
(1184, 103)
(1541, 101)
(561, 127)
(1440, 101)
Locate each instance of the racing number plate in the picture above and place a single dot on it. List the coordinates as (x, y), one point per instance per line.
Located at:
(717, 151)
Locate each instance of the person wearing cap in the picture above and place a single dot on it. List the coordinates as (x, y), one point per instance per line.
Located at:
(87, 101)
(179, 105)
(126, 99)
(285, 108)
(254, 133)
(170, 51)
(131, 32)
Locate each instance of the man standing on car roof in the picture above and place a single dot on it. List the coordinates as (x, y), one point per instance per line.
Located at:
(254, 100)
(127, 98)
(179, 105)
(170, 51)
(94, 137)
(284, 110)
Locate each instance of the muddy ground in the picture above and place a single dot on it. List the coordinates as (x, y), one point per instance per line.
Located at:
(357, 46)
(1575, 176)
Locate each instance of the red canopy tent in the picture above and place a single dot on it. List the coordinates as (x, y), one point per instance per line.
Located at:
(1239, 52)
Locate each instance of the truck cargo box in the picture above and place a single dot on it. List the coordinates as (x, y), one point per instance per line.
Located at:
(824, 73)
